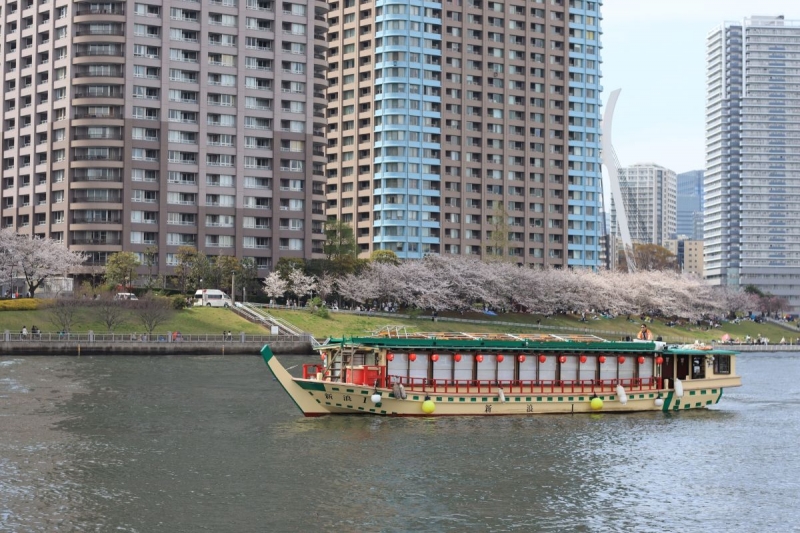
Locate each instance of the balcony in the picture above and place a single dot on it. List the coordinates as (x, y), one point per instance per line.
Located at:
(78, 219)
(97, 198)
(88, 114)
(105, 174)
(111, 156)
(109, 73)
(103, 9)
(100, 53)
(82, 92)
(112, 241)
(83, 31)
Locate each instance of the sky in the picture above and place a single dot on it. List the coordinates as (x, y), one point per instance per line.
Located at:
(654, 50)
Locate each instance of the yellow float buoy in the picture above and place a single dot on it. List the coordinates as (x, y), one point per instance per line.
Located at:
(596, 404)
(428, 407)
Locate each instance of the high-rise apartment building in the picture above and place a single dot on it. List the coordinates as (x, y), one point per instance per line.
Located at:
(131, 124)
(688, 254)
(467, 127)
(690, 205)
(650, 195)
(752, 191)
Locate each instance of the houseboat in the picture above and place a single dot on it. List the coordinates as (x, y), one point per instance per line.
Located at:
(397, 373)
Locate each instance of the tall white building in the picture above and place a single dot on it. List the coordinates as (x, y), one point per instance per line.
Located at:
(650, 195)
(752, 179)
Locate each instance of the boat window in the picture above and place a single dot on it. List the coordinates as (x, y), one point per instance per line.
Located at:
(698, 367)
(722, 364)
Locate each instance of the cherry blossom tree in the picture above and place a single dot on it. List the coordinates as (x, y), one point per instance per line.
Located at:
(362, 287)
(36, 259)
(736, 300)
(456, 282)
(301, 283)
(326, 284)
(274, 285)
(7, 261)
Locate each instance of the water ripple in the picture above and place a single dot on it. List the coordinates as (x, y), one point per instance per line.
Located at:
(212, 444)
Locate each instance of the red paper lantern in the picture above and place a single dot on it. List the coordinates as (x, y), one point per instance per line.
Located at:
(583, 358)
(435, 357)
(479, 358)
(542, 358)
(659, 360)
(322, 356)
(390, 357)
(602, 359)
(412, 357)
(500, 358)
(621, 360)
(641, 360)
(563, 359)
(457, 358)
(521, 358)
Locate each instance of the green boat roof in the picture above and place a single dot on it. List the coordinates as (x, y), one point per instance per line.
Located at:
(511, 343)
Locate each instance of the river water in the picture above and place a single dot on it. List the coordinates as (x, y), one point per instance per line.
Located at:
(188, 444)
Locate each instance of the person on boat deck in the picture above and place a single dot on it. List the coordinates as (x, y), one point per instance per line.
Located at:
(644, 334)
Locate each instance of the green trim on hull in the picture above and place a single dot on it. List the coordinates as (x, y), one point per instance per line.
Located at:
(310, 385)
(267, 354)
(667, 401)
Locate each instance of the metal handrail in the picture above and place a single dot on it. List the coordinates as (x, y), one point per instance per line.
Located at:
(128, 338)
(535, 386)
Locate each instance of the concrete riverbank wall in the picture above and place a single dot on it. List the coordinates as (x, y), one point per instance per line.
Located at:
(154, 345)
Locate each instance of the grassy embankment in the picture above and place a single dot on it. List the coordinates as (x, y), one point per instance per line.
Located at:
(347, 324)
(216, 320)
(192, 321)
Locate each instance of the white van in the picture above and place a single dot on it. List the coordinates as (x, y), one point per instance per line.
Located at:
(212, 298)
(125, 296)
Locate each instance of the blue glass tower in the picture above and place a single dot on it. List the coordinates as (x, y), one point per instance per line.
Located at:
(407, 134)
(584, 221)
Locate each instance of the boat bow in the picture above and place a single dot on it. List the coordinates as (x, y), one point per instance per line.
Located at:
(301, 397)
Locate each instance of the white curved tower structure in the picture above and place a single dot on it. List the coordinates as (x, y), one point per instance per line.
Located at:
(610, 161)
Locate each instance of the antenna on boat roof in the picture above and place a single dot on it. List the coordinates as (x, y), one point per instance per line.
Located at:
(392, 331)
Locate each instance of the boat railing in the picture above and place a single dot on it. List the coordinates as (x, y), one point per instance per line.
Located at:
(540, 386)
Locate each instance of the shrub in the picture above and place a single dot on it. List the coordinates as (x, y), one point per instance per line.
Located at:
(179, 302)
(321, 312)
(21, 304)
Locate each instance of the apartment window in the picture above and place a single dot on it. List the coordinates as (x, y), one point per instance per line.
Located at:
(144, 134)
(145, 113)
(141, 50)
(217, 19)
(146, 10)
(220, 180)
(140, 174)
(144, 154)
(216, 119)
(141, 30)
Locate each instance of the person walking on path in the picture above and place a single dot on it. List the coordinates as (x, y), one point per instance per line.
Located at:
(24, 332)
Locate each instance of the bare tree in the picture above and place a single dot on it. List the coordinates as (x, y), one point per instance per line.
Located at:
(152, 311)
(62, 313)
(113, 313)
